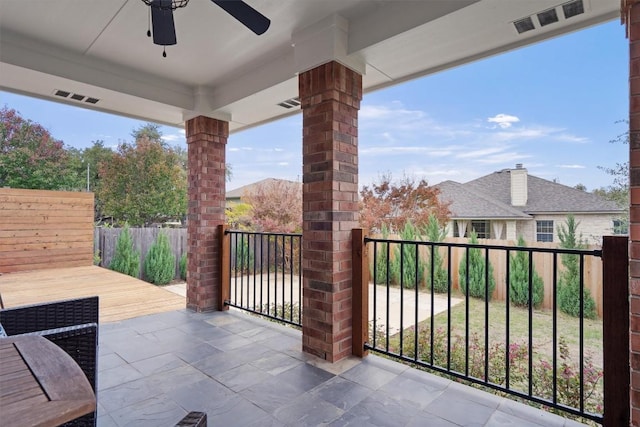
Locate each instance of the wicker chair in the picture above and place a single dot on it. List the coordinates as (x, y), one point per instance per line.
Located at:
(72, 325)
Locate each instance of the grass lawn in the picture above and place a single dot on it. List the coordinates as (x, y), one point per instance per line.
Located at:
(519, 326)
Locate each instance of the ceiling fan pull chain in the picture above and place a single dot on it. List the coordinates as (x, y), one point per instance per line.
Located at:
(164, 52)
(149, 24)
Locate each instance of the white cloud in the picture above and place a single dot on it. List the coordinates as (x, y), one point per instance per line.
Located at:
(283, 164)
(571, 138)
(504, 121)
(572, 166)
(391, 150)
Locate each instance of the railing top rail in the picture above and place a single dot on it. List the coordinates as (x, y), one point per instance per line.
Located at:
(596, 252)
(262, 233)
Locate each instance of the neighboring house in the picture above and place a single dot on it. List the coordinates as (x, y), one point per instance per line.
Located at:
(511, 203)
(235, 196)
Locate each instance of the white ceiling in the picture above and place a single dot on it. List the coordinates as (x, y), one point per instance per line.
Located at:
(218, 68)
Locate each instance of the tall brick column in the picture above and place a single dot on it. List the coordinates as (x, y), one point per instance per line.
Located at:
(631, 14)
(206, 141)
(330, 95)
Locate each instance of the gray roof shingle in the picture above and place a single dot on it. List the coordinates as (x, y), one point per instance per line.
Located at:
(490, 197)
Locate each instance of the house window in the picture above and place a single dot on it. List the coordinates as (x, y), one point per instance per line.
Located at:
(544, 231)
(620, 226)
(482, 229)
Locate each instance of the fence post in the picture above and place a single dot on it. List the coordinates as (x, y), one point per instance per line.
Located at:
(360, 293)
(225, 266)
(615, 336)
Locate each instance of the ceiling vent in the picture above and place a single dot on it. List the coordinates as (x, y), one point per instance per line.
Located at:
(75, 96)
(549, 16)
(572, 9)
(523, 25)
(290, 103)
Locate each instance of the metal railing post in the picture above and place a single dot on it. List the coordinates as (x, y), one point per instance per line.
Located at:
(360, 293)
(615, 334)
(225, 267)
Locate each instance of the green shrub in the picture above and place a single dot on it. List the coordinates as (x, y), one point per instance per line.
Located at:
(126, 259)
(411, 262)
(183, 266)
(569, 280)
(160, 263)
(380, 263)
(519, 279)
(435, 233)
(477, 268)
(244, 256)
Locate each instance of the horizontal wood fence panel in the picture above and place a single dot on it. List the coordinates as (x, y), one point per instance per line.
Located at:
(45, 229)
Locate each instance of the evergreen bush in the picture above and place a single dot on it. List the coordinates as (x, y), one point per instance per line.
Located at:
(519, 279)
(569, 280)
(183, 266)
(435, 233)
(126, 259)
(380, 263)
(160, 263)
(477, 268)
(410, 259)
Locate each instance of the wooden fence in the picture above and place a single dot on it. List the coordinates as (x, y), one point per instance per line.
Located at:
(45, 229)
(105, 240)
(543, 263)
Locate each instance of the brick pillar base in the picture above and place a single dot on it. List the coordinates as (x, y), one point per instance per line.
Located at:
(206, 141)
(633, 26)
(330, 96)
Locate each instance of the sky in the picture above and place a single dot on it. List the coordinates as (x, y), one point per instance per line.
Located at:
(553, 106)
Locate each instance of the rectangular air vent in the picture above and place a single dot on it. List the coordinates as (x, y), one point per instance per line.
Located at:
(547, 17)
(524, 25)
(572, 9)
(75, 96)
(290, 103)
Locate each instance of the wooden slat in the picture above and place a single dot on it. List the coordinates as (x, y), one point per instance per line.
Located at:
(45, 229)
(121, 296)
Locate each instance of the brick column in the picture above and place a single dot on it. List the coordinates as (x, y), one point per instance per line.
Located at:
(330, 95)
(632, 18)
(206, 141)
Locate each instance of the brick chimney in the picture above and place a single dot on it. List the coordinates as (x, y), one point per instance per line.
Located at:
(518, 186)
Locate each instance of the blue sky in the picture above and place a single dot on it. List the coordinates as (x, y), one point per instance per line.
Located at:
(552, 106)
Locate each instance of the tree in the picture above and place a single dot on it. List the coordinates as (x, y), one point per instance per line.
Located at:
(519, 279)
(160, 262)
(435, 232)
(569, 280)
(143, 182)
(276, 206)
(406, 267)
(30, 157)
(394, 203)
(477, 268)
(126, 259)
(618, 191)
(89, 161)
(238, 216)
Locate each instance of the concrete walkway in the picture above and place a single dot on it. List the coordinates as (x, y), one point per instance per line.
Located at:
(271, 288)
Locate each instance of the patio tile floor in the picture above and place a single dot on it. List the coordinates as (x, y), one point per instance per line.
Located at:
(246, 371)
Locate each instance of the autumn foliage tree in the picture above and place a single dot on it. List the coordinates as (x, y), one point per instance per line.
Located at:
(396, 203)
(30, 157)
(143, 182)
(276, 206)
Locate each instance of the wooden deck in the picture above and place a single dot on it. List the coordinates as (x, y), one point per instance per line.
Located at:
(121, 296)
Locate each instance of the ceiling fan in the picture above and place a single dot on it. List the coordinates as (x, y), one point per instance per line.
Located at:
(164, 30)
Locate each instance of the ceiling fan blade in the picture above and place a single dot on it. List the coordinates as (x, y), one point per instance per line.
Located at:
(164, 30)
(248, 16)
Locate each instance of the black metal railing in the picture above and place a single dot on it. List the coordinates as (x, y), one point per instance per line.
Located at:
(477, 312)
(264, 274)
